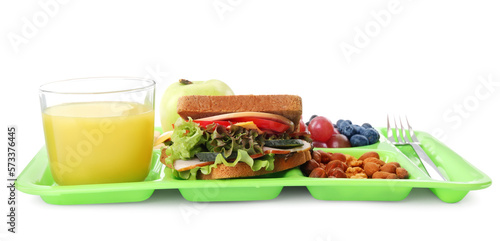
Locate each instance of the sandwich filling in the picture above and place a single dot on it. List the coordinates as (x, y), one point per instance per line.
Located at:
(203, 144)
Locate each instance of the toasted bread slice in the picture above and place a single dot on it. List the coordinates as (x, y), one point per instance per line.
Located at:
(201, 106)
(281, 163)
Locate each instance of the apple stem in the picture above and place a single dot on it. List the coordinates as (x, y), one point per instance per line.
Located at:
(185, 82)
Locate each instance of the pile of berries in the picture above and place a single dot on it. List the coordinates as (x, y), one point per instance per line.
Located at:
(341, 134)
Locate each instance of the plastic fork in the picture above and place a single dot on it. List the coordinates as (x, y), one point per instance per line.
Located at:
(403, 138)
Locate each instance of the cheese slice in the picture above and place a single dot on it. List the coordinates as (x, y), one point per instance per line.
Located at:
(163, 137)
(249, 125)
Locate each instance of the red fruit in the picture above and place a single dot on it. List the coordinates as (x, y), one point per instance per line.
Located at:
(319, 144)
(338, 141)
(321, 129)
(335, 131)
(302, 127)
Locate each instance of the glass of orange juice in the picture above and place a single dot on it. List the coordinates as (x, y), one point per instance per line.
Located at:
(98, 130)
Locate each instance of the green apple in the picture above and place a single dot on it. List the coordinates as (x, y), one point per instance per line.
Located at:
(168, 104)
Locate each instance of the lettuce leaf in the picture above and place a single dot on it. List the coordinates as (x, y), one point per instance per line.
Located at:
(187, 139)
(226, 140)
(266, 161)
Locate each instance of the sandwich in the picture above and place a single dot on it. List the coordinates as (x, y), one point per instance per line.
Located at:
(236, 136)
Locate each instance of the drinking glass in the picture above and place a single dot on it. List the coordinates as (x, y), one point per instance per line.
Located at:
(98, 130)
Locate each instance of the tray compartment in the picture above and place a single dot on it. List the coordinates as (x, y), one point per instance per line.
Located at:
(95, 197)
(244, 189)
(344, 189)
(463, 176)
(37, 179)
(359, 193)
(217, 194)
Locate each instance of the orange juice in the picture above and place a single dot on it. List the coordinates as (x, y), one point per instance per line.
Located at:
(99, 142)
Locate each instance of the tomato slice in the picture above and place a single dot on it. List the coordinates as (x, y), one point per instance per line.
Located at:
(263, 124)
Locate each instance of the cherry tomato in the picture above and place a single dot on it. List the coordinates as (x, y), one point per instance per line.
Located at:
(321, 129)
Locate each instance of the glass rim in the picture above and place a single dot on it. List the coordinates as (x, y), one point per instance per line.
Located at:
(150, 83)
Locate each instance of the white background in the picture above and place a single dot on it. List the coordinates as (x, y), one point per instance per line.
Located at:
(425, 59)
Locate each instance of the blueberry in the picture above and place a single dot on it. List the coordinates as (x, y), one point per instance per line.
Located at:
(350, 122)
(357, 129)
(347, 130)
(371, 134)
(339, 121)
(367, 125)
(361, 129)
(358, 140)
(343, 124)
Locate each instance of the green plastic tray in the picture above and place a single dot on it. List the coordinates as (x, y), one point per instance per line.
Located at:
(36, 179)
